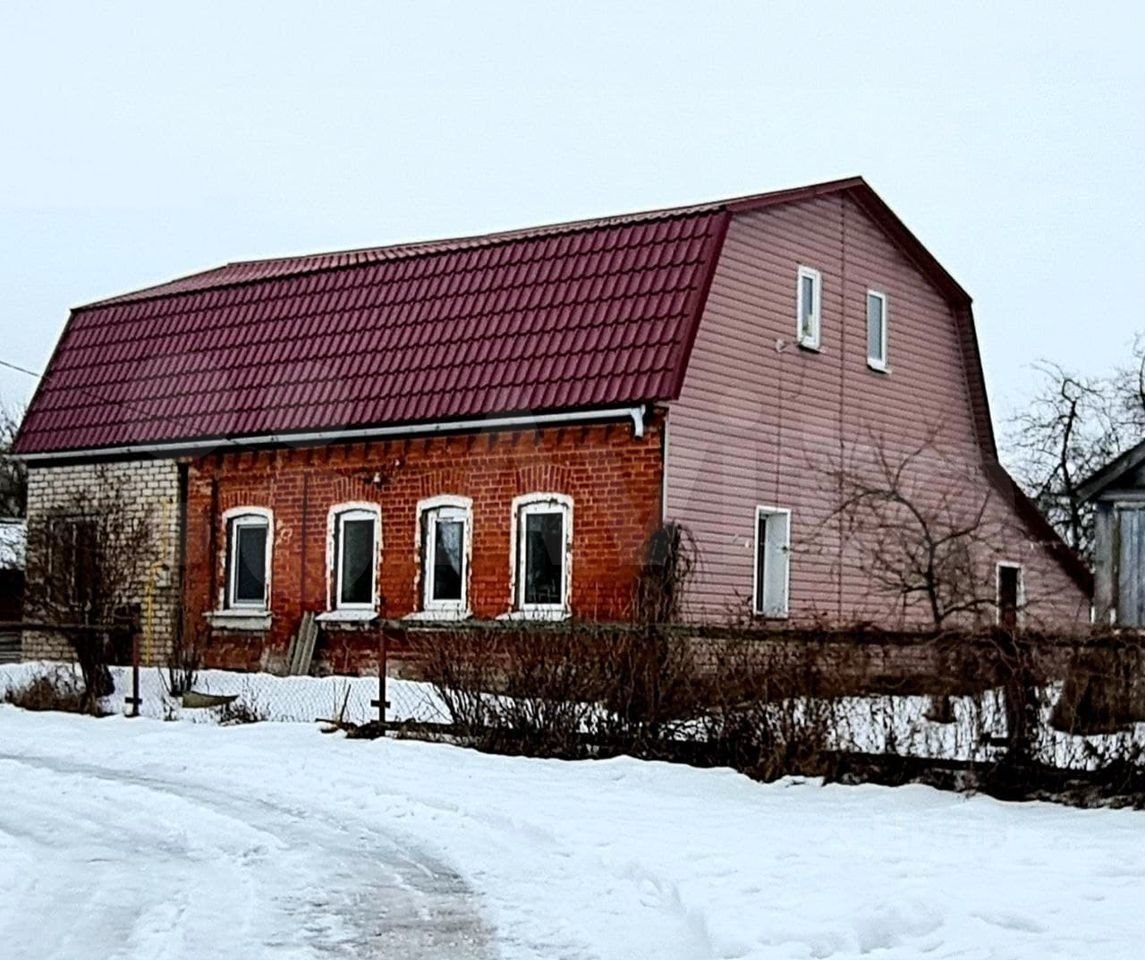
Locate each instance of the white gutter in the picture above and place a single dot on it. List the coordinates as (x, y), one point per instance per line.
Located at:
(636, 414)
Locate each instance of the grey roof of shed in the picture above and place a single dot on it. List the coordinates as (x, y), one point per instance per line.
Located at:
(1101, 480)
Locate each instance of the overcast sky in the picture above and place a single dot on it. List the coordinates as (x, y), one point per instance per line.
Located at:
(143, 141)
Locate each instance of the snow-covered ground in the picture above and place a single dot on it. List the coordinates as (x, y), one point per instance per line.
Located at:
(295, 699)
(140, 839)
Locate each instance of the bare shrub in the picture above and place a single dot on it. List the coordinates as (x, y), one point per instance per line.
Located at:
(760, 709)
(844, 704)
(521, 689)
(185, 657)
(246, 709)
(669, 562)
(59, 689)
(1103, 690)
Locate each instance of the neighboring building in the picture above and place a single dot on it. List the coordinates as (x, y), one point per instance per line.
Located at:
(13, 534)
(494, 426)
(1117, 491)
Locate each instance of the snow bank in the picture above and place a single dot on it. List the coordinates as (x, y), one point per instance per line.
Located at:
(287, 699)
(137, 839)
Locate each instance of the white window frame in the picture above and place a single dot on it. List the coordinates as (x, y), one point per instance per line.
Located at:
(878, 363)
(234, 520)
(809, 341)
(335, 550)
(429, 511)
(757, 607)
(522, 507)
(1021, 593)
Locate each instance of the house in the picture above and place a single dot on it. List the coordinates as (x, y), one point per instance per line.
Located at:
(493, 426)
(1117, 492)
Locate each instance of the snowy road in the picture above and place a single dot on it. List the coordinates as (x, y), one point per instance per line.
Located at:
(160, 867)
(142, 840)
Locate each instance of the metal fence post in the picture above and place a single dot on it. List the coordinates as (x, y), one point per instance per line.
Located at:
(134, 701)
(381, 703)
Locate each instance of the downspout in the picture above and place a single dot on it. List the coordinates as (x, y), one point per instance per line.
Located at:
(181, 549)
(213, 543)
(842, 395)
(302, 534)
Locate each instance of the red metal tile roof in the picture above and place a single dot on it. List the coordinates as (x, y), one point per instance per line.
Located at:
(580, 315)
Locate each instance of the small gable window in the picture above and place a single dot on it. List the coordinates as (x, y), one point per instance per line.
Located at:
(808, 303)
(877, 330)
(446, 529)
(354, 552)
(248, 559)
(543, 553)
(772, 561)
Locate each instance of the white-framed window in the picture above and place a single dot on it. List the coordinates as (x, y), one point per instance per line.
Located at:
(354, 547)
(542, 525)
(1010, 593)
(772, 566)
(808, 307)
(877, 330)
(445, 531)
(249, 544)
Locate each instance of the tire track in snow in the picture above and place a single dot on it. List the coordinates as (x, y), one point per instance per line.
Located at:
(311, 885)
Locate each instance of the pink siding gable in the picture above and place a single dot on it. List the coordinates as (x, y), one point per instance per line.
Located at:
(760, 420)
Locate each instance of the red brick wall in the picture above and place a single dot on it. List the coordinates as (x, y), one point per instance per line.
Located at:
(613, 478)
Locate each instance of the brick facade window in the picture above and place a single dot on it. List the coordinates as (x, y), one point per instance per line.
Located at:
(71, 555)
(249, 544)
(354, 551)
(542, 526)
(445, 526)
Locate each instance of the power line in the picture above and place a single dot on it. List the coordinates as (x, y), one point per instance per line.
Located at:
(19, 369)
(104, 399)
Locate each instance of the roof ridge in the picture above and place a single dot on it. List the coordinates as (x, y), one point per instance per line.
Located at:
(416, 248)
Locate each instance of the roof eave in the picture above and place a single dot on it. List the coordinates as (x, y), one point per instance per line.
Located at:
(635, 412)
(1100, 480)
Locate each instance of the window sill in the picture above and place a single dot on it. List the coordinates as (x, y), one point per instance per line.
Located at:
(347, 616)
(438, 616)
(808, 346)
(535, 615)
(254, 620)
(878, 367)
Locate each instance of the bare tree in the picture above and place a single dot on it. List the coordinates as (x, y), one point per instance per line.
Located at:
(13, 473)
(1071, 428)
(916, 538)
(88, 559)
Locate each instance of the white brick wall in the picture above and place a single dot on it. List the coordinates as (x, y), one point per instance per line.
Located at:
(148, 487)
